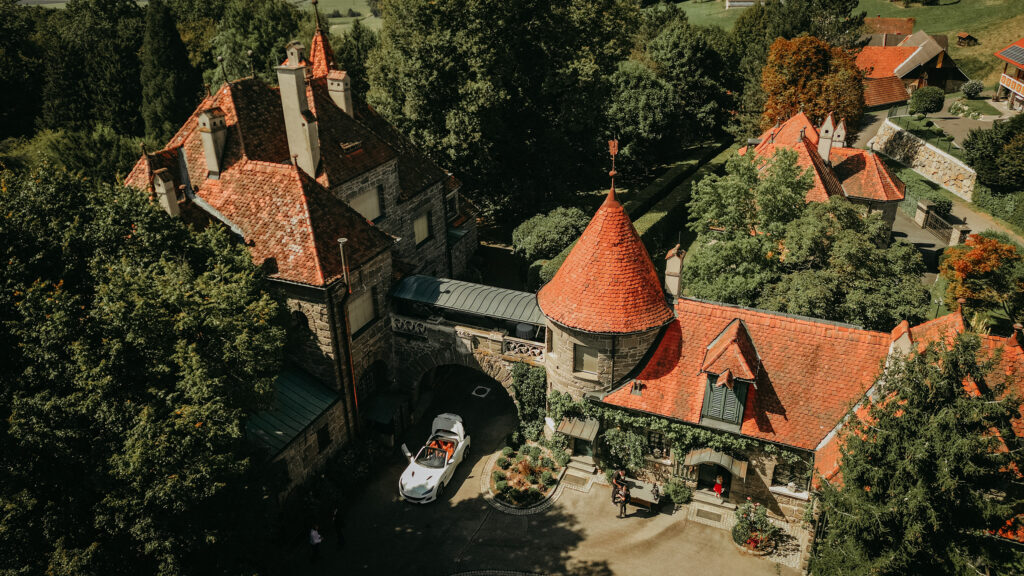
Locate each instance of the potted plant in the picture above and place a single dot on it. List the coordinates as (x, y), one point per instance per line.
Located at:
(753, 531)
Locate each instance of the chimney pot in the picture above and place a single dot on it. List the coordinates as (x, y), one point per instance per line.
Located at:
(165, 192)
(213, 133)
(339, 86)
(299, 122)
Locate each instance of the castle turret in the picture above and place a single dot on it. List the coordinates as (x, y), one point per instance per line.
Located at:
(604, 307)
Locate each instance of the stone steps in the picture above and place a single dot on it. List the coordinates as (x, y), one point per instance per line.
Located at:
(708, 498)
(581, 466)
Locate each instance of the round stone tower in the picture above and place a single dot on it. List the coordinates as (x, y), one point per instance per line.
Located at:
(604, 307)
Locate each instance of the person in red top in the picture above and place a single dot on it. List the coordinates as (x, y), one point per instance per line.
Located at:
(718, 487)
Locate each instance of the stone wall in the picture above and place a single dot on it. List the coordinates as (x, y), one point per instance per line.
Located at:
(925, 159)
(616, 357)
(372, 344)
(886, 209)
(463, 249)
(303, 457)
(310, 344)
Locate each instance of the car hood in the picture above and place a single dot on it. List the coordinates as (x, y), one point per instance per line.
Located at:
(420, 479)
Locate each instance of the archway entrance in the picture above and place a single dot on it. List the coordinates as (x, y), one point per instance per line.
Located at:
(708, 475)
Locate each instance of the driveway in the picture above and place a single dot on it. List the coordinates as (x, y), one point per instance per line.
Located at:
(462, 532)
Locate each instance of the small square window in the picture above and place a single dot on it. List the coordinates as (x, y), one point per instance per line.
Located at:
(323, 438)
(362, 310)
(584, 359)
(367, 203)
(422, 228)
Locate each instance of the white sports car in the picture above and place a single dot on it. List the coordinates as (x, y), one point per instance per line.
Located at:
(432, 468)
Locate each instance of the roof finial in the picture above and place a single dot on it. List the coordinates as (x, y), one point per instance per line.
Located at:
(613, 149)
(316, 13)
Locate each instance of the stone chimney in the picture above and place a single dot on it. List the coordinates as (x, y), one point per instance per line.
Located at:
(213, 131)
(839, 136)
(673, 271)
(339, 85)
(299, 122)
(825, 134)
(165, 192)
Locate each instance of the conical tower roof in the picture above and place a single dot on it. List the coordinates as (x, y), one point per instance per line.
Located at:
(607, 284)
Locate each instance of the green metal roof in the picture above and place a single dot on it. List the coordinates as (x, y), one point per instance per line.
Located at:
(471, 298)
(298, 400)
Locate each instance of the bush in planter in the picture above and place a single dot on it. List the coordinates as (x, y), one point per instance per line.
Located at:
(546, 462)
(547, 478)
(498, 476)
(677, 491)
(507, 451)
(972, 89)
(501, 487)
(753, 529)
(504, 463)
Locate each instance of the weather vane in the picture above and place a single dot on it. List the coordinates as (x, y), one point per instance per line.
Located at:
(613, 149)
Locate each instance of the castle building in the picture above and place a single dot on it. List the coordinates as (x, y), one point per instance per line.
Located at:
(858, 175)
(779, 386)
(335, 205)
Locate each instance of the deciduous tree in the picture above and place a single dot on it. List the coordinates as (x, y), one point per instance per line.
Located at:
(811, 75)
(988, 273)
(545, 235)
(925, 475)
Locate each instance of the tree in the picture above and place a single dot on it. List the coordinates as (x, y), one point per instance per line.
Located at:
(546, 235)
(926, 477)
(21, 67)
(809, 74)
(170, 85)
(518, 133)
(760, 244)
(352, 51)
(92, 66)
(995, 153)
(988, 273)
(197, 24)
(642, 113)
(99, 155)
(134, 348)
(263, 26)
(927, 100)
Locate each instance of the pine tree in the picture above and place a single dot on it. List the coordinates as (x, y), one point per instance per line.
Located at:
(170, 86)
(926, 479)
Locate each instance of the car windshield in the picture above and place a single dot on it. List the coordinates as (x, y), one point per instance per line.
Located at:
(431, 457)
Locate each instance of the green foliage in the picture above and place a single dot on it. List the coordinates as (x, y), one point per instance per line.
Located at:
(677, 491)
(624, 448)
(263, 26)
(561, 405)
(529, 384)
(503, 462)
(498, 476)
(507, 451)
(924, 190)
(642, 113)
(21, 67)
(972, 88)
(761, 245)
(547, 479)
(927, 100)
(545, 235)
(995, 154)
(352, 52)
(461, 104)
(546, 462)
(170, 85)
(753, 529)
(925, 478)
(99, 154)
(501, 487)
(134, 349)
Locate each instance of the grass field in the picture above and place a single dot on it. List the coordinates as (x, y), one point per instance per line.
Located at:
(995, 23)
(339, 25)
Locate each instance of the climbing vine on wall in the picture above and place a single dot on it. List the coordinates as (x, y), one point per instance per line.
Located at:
(682, 437)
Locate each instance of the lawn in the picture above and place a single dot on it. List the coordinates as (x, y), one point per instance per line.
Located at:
(979, 105)
(342, 23)
(926, 130)
(710, 13)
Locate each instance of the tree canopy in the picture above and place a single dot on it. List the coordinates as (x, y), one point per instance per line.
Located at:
(925, 476)
(760, 244)
(170, 85)
(134, 349)
(263, 26)
(995, 154)
(987, 273)
(809, 74)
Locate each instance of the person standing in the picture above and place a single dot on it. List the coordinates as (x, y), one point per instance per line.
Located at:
(315, 539)
(622, 498)
(718, 487)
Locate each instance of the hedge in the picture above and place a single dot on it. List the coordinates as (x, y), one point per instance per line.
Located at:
(649, 199)
(1008, 207)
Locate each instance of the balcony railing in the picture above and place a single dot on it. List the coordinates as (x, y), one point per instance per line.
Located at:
(468, 339)
(1012, 84)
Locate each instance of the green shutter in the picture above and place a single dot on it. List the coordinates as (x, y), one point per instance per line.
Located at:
(729, 410)
(718, 401)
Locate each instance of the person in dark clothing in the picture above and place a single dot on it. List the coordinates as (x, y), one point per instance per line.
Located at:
(339, 522)
(622, 498)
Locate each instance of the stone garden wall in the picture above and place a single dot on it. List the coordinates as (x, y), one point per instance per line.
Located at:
(925, 159)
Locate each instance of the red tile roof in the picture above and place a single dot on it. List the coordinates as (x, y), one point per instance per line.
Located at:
(884, 91)
(864, 175)
(733, 352)
(812, 371)
(890, 25)
(882, 61)
(321, 56)
(1019, 61)
(607, 284)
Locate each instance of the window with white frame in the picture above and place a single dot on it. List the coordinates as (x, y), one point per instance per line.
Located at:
(584, 359)
(421, 228)
(367, 203)
(796, 473)
(362, 309)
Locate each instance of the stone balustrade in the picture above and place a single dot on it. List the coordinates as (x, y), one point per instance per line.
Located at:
(470, 340)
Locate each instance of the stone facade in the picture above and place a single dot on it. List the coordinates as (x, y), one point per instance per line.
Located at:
(304, 456)
(617, 356)
(886, 209)
(371, 346)
(925, 159)
(461, 250)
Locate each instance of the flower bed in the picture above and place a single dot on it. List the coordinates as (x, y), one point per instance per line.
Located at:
(753, 531)
(525, 477)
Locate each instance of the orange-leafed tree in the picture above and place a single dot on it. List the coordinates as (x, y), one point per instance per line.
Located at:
(987, 273)
(810, 74)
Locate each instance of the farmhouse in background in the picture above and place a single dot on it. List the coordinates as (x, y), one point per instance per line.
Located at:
(917, 61)
(1011, 82)
(888, 31)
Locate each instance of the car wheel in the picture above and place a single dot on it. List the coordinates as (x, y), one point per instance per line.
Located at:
(440, 491)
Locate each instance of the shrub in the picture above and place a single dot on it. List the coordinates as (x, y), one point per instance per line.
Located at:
(972, 89)
(334, 13)
(534, 452)
(529, 384)
(531, 479)
(928, 123)
(514, 439)
(498, 476)
(918, 116)
(562, 457)
(753, 529)
(533, 431)
(546, 462)
(352, 13)
(928, 99)
(504, 463)
(545, 235)
(677, 491)
(507, 451)
(547, 478)
(501, 487)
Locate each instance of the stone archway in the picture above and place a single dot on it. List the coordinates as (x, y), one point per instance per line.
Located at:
(413, 370)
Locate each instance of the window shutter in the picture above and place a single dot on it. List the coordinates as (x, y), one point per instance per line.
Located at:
(717, 400)
(730, 411)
